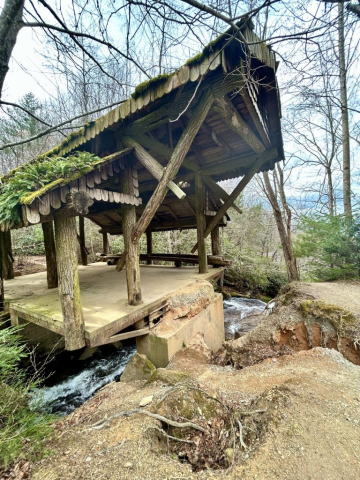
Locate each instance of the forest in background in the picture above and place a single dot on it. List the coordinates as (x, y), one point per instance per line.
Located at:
(299, 221)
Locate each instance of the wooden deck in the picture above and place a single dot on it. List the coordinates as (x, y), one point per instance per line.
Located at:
(103, 295)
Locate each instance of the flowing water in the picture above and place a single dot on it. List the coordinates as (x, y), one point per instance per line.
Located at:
(241, 315)
(84, 381)
(76, 381)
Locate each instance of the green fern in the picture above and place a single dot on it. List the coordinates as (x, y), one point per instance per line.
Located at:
(35, 176)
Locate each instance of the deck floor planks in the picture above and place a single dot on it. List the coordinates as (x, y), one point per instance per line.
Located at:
(103, 296)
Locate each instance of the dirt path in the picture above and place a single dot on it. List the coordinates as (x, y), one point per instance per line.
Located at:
(310, 428)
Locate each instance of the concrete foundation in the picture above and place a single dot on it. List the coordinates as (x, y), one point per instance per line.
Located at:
(172, 335)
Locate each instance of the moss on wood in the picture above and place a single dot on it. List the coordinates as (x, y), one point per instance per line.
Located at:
(35, 179)
(150, 85)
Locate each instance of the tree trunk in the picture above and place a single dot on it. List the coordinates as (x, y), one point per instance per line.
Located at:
(284, 232)
(10, 24)
(6, 255)
(201, 223)
(131, 253)
(83, 251)
(50, 253)
(344, 116)
(69, 285)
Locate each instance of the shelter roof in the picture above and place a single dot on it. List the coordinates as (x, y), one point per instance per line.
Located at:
(156, 115)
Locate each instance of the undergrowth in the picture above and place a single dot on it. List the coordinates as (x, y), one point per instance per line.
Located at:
(36, 176)
(22, 430)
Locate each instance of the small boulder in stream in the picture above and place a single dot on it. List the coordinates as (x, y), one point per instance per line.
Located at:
(139, 368)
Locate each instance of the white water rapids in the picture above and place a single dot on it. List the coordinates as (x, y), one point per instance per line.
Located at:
(73, 390)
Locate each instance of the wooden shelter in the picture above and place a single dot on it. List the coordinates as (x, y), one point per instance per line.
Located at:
(161, 156)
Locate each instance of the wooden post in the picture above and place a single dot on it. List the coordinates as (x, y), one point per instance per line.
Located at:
(201, 223)
(83, 250)
(69, 285)
(215, 241)
(149, 246)
(105, 241)
(131, 253)
(233, 196)
(50, 253)
(152, 165)
(7, 258)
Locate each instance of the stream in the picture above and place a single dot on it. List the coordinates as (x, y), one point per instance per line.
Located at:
(71, 381)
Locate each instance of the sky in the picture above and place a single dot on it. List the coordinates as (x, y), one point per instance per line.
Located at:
(27, 73)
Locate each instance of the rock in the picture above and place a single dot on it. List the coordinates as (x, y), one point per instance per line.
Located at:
(139, 368)
(146, 401)
(170, 377)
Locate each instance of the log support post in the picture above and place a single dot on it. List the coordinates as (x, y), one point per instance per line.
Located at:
(7, 258)
(149, 245)
(232, 197)
(215, 241)
(69, 285)
(50, 254)
(131, 253)
(201, 223)
(105, 242)
(83, 249)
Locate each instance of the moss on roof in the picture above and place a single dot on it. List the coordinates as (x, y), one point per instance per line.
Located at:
(150, 84)
(35, 179)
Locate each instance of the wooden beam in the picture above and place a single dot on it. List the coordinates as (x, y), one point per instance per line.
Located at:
(219, 86)
(232, 197)
(215, 137)
(69, 285)
(131, 253)
(174, 164)
(50, 254)
(6, 258)
(121, 336)
(256, 116)
(201, 223)
(219, 191)
(152, 165)
(164, 150)
(235, 122)
(235, 163)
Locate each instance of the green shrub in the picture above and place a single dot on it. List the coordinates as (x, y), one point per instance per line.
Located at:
(22, 430)
(331, 246)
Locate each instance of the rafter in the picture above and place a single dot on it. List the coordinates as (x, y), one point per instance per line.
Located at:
(152, 165)
(237, 124)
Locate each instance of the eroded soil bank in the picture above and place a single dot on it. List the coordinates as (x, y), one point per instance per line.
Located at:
(286, 411)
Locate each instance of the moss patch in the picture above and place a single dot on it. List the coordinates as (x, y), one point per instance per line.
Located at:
(338, 317)
(35, 179)
(150, 84)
